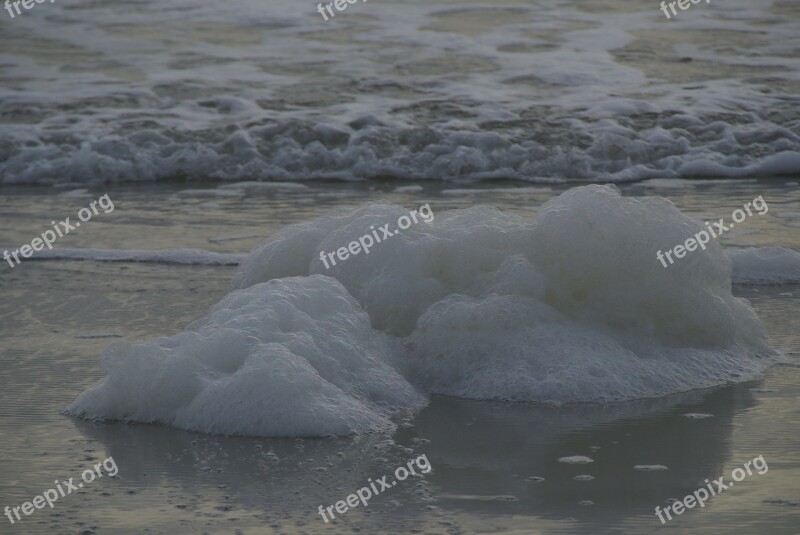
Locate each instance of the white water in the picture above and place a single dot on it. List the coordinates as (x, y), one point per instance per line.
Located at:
(183, 89)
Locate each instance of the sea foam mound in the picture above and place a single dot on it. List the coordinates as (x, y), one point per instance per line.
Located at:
(572, 305)
(569, 306)
(291, 357)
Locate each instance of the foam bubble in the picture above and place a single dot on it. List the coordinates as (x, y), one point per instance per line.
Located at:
(576, 459)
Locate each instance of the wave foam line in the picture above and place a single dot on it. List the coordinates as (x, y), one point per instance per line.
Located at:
(195, 257)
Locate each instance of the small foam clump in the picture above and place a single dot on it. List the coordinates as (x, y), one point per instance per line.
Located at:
(765, 265)
(292, 357)
(576, 459)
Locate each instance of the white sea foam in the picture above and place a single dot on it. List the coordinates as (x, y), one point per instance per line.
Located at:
(765, 265)
(418, 154)
(698, 415)
(290, 357)
(650, 467)
(543, 94)
(568, 306)
(576, 459)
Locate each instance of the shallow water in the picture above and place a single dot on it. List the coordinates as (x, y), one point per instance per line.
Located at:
(482, 452)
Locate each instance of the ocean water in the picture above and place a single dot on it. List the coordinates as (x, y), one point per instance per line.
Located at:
(136, 90)
(522, 334)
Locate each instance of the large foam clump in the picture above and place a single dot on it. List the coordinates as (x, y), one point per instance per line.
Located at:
(569, 306)
(291, 357)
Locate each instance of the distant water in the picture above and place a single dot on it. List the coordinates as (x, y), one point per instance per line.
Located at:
(138, 90)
